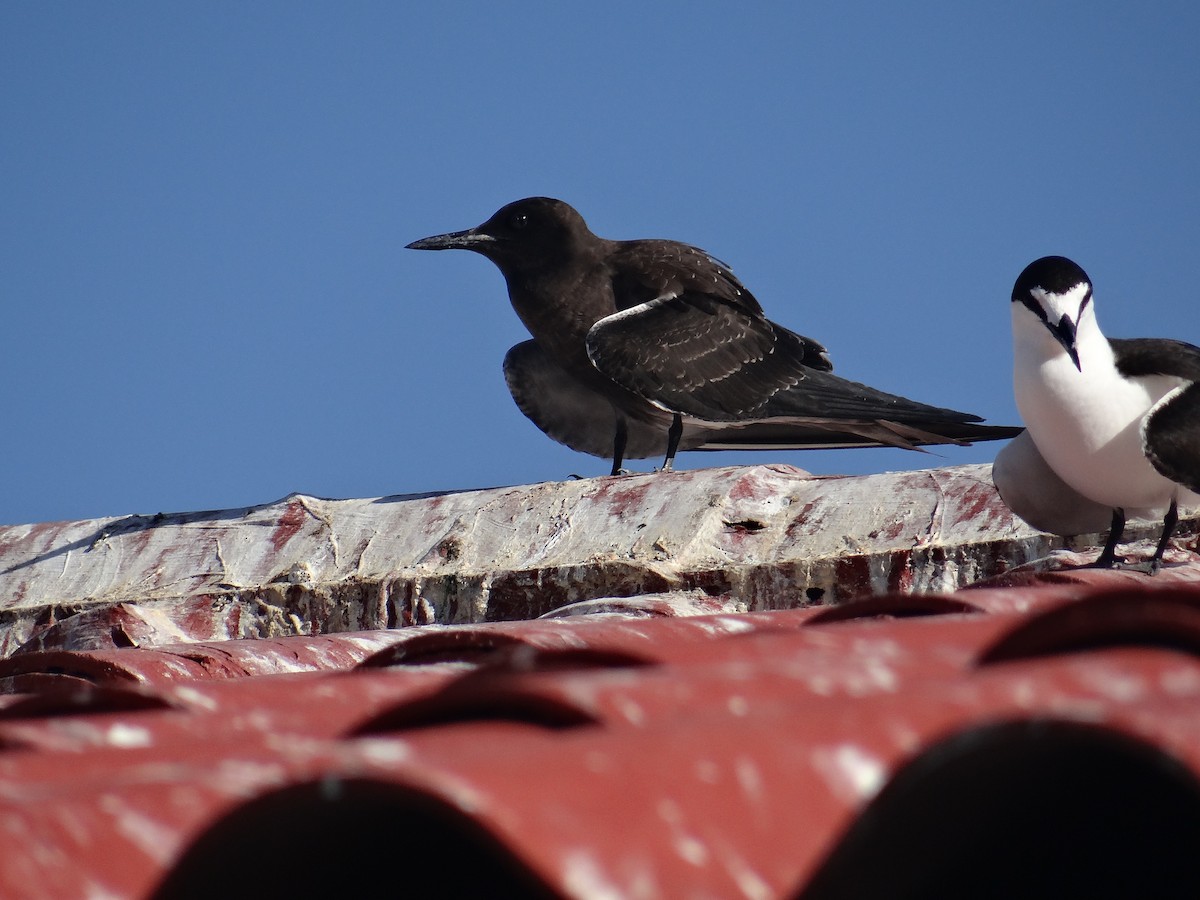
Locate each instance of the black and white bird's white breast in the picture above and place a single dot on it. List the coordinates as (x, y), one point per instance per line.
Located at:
(1087, 418)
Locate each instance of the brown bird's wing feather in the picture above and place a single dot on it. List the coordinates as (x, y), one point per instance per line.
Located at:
(700, 346)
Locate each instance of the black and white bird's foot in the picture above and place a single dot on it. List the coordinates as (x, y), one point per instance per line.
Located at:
(1148, 566)
(1108, 561)
(1108, 558)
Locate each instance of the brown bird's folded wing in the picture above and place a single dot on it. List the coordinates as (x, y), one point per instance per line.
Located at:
(713, 359)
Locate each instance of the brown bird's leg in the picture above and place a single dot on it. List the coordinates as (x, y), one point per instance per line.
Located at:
(674, 433)
(619, 440)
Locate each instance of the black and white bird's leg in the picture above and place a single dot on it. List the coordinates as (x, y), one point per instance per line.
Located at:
(1108, 557)
(674, 433)
(1170, 520)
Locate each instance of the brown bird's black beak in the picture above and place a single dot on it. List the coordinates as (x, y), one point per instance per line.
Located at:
(471, 239)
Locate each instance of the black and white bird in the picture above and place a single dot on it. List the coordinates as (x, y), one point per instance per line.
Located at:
(646, 347)
(1117, 420)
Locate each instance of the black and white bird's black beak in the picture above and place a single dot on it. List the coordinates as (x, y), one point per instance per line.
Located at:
(471, 239)
(1058, 292)
(1064, 333)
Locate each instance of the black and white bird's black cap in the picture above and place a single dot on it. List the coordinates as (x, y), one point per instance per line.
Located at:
(1118, 421)
(644, 347)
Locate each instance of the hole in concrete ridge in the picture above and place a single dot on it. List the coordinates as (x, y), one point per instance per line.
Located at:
(81, 701)
(1027, 810)
(894, 606)
(356, 838)
(458, 706)
(1116, 619)
(745, 526)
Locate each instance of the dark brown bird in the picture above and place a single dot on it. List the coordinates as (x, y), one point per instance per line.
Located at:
(648, 347)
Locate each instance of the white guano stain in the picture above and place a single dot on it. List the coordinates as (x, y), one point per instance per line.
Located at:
(631, 710)
(195, 698)
(851, 771)
(156, 840)
(585, 877)
(93, 891)
(127, 736)
(690, 848)
(749, 778)
(384, 751)
(752, 885)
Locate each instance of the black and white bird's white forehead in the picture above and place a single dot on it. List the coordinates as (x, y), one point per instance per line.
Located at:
(1054, 275)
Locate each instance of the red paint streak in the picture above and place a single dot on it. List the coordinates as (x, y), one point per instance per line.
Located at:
(32, 540)
(892, 530)
(979, 503)
(852, 577)
(623, 500)
(141, 540)
(809, 520)
(209, 617)
(289, 523)
(748, 488)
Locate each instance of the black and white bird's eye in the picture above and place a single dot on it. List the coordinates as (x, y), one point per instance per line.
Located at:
(519, 220)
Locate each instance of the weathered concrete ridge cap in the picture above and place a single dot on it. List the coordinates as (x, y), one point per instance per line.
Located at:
(758, 537)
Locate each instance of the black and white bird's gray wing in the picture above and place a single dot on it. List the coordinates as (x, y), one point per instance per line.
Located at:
(699, 345)
(1171, 432)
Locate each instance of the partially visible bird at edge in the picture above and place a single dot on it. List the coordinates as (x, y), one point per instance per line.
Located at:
(1117, 420)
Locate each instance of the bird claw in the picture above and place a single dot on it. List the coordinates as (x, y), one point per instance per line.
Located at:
(1149, 566)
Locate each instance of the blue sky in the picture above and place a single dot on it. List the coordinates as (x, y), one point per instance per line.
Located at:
(204, 205)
